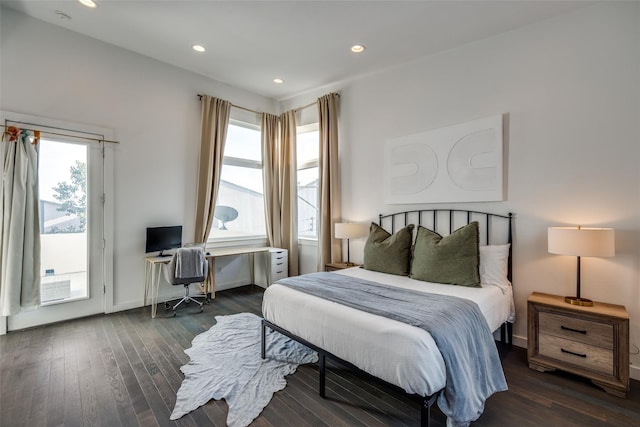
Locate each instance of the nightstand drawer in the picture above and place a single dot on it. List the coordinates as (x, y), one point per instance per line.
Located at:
(576, 329)
(577, 353)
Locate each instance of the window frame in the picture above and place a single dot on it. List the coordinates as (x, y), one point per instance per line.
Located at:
(101, 181)
(256, 239)
(315, 163)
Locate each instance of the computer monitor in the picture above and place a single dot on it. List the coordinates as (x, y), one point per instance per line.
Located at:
(160, 239)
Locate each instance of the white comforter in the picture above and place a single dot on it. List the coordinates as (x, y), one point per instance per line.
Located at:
(390, 350)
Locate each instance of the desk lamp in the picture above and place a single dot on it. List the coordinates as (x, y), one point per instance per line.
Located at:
(581, 242)
(349, 230)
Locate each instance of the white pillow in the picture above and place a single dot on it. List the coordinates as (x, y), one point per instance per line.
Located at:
(494, 261)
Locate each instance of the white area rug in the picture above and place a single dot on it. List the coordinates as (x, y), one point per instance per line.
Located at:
(226, 364)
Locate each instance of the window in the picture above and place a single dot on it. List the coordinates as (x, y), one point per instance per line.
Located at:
(308, 152)
(62, 179)
(239, 212)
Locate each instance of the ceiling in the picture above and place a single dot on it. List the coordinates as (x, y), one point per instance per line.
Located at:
(305, 43)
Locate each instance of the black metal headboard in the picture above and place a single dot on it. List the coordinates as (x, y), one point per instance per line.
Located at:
(494, 228)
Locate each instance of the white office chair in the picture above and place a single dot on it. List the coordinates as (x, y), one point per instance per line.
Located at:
(187, 266)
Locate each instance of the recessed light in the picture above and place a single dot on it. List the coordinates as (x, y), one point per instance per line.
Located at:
(357, 48)
(88, 3)
(198, 48)
(276, 80)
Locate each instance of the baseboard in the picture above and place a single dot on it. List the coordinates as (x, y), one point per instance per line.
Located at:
(519, 341)
(126, 306)
(129, 305)
(230, 285)
(634, 372)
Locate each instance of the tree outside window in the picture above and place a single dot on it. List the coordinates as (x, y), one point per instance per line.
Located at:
(72, 197)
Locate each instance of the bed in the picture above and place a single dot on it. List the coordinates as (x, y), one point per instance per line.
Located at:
(398, 353)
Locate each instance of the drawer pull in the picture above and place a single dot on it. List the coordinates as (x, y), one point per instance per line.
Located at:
(573, 330)
(571, 352)
(279, 263)
(278, 272)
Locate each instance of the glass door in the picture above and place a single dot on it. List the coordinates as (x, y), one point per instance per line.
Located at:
(70, 176)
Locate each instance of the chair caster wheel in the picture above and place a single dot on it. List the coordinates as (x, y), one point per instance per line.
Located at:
(167, 306)
(174, 314)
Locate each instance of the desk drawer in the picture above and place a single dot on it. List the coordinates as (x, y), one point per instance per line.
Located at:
(271, 266)
(576, 353)
(277, 275)
(575, 329)
(276, 262)
(279, 265)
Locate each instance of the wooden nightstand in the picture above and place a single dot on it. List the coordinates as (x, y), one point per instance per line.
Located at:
(592, 342)
(338, 266)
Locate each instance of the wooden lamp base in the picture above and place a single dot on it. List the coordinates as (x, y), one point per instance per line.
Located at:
(578, 301)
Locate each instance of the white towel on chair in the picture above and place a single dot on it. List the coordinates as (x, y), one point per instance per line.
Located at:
(189, 263)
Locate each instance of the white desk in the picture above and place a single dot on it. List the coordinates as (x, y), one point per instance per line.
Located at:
(153, 271)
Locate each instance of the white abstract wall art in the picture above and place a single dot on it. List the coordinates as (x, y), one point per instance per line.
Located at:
(458, 163)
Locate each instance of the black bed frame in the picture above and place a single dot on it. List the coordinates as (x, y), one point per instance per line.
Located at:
(442, 221)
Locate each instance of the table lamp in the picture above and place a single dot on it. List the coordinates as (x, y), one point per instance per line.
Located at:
(349, 230)
(581, 242)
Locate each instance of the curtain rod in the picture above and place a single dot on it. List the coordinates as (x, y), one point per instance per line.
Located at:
(60, 134)
(236, 106)
(311, 104)
(258, 112)
(305, 106)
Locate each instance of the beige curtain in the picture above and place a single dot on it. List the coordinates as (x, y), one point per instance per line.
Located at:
(270, 178)
(329, 248)
(214, 124)
(213, 133)
(280, 183)
(19, 223)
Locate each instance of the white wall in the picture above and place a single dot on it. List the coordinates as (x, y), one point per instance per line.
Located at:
(153, 110)
(571, 88)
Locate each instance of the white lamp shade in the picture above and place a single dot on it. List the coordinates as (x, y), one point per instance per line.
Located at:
(584, 242)
(350, 230)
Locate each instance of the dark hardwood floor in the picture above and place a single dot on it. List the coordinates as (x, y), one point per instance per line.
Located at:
(124, 369)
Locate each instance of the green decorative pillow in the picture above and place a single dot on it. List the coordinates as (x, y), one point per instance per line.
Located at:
(453, 259)
(388, 253)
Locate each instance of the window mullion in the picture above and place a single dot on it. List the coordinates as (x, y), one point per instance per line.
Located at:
(243, 163)
(308, 165)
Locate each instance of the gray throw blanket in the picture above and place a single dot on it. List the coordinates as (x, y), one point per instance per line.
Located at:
(457, 326)
(189, 263)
